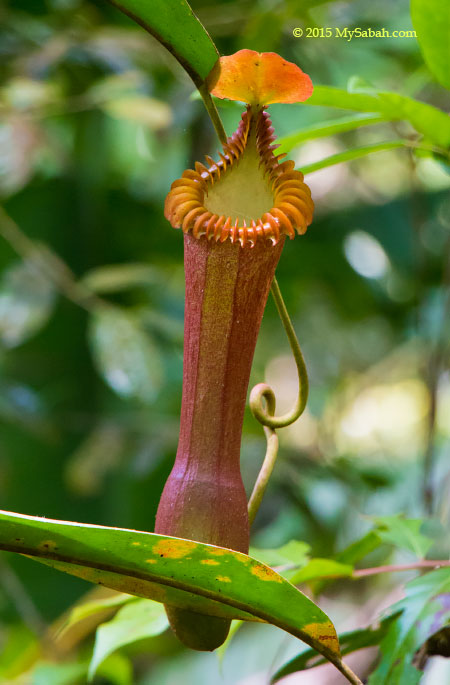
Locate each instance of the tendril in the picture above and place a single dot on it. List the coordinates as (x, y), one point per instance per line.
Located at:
(263, 403)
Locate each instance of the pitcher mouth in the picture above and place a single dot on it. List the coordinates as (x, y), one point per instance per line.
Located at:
(247, 195)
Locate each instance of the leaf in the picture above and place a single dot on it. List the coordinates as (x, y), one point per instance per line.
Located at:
(154, 114)
(360, 548)
(426, 119)
(403, 533)
(293, 552)
(321, 568)
(353, 153)
(431, 21)
(135, 621)
(112, 278)
(59, 674)
(327, 128)
(118, 669)
(174, 24)
(350, 642)
(87, 609)
(259, 78)
(425, 611)
(26, 303)
(124, 354)
(140, 561)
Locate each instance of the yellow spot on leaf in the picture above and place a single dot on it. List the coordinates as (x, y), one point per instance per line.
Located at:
(265, 573)
(210, 562)
(223, 579)
(217, 551)
(324, 633)
(174, 549)
(135, 544)
(150, 561)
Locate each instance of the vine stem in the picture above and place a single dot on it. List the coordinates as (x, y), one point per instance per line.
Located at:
(264, 391)
(265, 415)
(213, 113)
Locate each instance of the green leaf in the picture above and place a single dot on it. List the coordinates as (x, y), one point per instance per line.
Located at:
(350, 642)
(353, 153)
(124, 354)
(59, 674)
(142, 561)
(117, 669)
(152, 113)
(321, 568)
(97, 606)
(425, 611)
(135, 621)
(431, 21)
(112, 278)
(360, 548)
(426, 119)
(174, 24)
(327, 128)
(403, 533)
(27, 297)
(293, 552)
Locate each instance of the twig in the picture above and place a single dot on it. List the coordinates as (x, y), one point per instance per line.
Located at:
(424, 563)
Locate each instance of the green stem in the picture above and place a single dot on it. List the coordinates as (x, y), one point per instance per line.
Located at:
(264, 474)
(265, 415)
(262, 390)
(213, 113)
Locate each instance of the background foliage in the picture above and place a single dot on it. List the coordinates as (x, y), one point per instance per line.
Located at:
(97, 120)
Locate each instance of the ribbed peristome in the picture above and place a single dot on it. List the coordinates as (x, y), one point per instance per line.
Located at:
(247, 195)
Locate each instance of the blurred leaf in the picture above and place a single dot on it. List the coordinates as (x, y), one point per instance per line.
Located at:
(97, 456)
(136, 621)
(349, 642)
(86, 609)
(293, 552)
(124, 354)
(174, 24)
(353, 153)
(26, 303)
(426, 119)
(425, 610)
(321, 568)
(23, 93)
(403, 533)
(360, 548)
(58, 674)
(431, 21)
(227, 577)
(327, 128)
(117, 669)
(115, 277)
(19, 651)
(152, 113)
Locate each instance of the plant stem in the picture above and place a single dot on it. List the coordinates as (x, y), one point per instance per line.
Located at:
(262, 390)
(264, 475)
(425, 563)
(213, 113)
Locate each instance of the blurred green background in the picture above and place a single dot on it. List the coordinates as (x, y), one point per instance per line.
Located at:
(97, 120)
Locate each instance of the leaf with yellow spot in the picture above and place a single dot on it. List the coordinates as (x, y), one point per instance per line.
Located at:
(182, 573)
